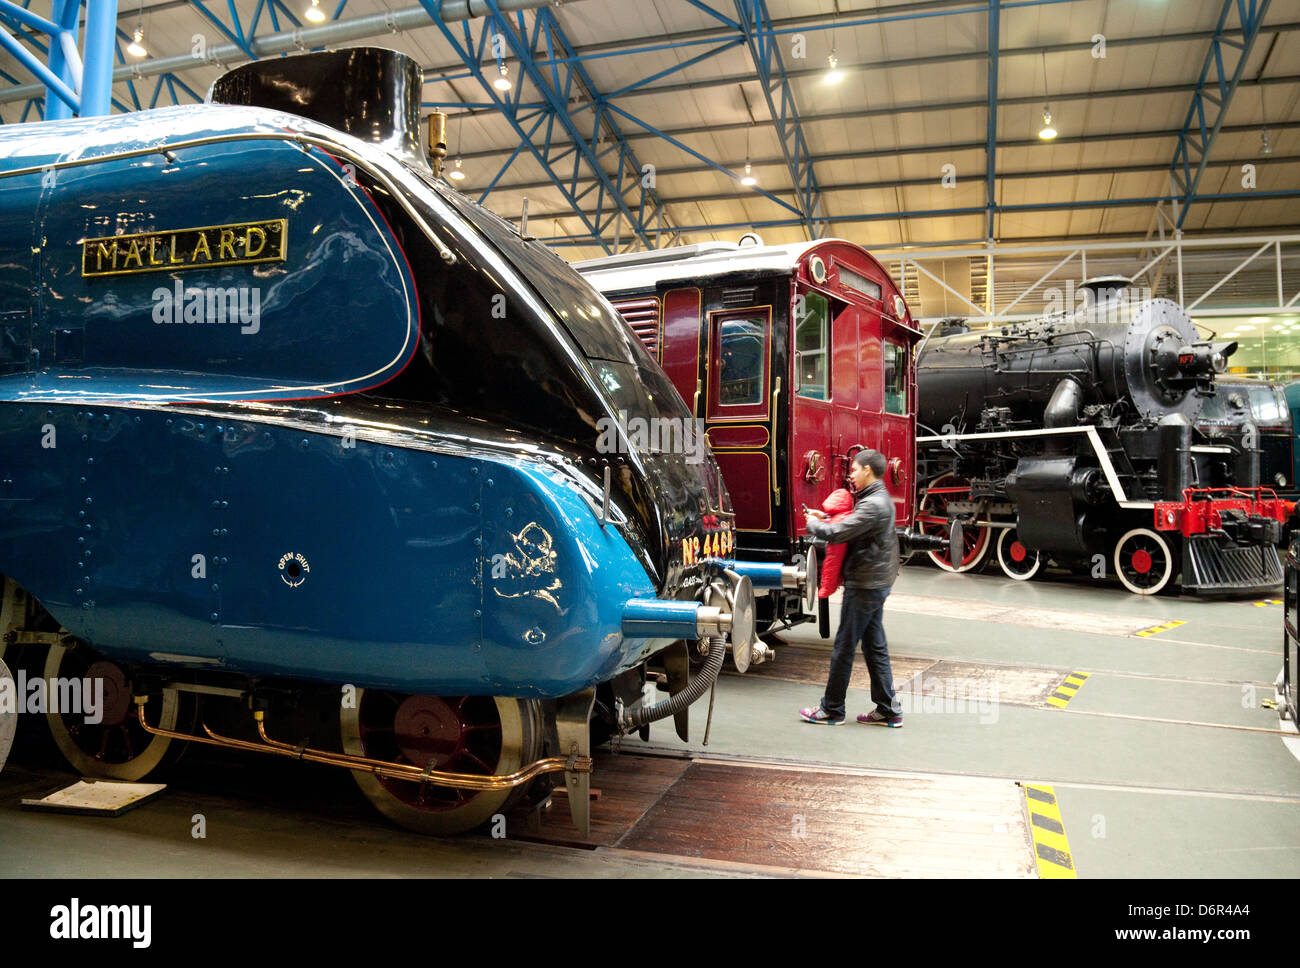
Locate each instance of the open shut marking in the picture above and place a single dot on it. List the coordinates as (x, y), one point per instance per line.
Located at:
(1051, 846)
(1067, 689)
(1157, 629)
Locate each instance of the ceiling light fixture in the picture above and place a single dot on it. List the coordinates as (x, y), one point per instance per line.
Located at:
(748, 180)
(1048, 131)
(456, 174)
(314, 13)
(834, 75)
(136, 47)
(1265, 148)
(502, 82)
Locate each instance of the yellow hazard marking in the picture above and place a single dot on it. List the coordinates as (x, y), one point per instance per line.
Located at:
(1051, 846)
(1157, 629)
(1267, 601)
(1066, 690)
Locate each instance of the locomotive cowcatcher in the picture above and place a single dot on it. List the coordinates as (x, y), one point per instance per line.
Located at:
(793, 357)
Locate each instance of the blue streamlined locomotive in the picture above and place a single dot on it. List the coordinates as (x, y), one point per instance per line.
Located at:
(287, 424)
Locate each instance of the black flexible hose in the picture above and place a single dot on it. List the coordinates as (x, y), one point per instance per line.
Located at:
(699, 685)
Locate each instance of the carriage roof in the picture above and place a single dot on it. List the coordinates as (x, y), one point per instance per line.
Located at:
(643, 270)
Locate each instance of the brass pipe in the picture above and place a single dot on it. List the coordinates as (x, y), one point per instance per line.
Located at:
(392, 771)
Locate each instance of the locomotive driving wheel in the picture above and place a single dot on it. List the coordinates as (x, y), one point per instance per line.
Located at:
(932, 518)
(1017, 559)
(1144, 561)
(108, 743)
(457, 734)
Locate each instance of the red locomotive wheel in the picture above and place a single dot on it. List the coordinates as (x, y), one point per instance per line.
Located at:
(932, 518)
(1017, 559)
(107, 742)
(462, 734)
(1144, 561)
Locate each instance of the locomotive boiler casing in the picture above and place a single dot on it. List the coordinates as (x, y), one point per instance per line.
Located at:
(1113, 350)
(175, 499)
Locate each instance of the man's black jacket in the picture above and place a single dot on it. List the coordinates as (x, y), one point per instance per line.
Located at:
(872, 557)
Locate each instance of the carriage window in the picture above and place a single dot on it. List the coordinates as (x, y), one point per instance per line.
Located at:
(811, 315)
(895, 378)
(742, 348)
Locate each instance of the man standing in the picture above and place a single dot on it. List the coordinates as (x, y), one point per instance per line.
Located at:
(870, 568)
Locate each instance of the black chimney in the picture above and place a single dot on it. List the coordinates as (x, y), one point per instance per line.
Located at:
(370, 93)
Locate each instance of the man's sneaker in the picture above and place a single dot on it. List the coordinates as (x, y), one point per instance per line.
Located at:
(820, 717)
(874, 718)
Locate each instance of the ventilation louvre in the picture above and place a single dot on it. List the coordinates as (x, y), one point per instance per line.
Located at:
(643, 316)
(738, 296)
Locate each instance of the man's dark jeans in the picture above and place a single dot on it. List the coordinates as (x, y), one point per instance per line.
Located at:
(861, 620)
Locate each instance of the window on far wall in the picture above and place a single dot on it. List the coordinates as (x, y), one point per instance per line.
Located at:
(810, 345)
(895, 378)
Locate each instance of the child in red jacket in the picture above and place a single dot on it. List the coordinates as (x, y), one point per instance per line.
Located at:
(839, 504)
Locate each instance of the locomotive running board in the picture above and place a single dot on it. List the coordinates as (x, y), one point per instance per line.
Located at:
(1103, 458)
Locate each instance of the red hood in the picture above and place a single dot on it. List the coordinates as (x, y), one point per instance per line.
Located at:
(839, 502)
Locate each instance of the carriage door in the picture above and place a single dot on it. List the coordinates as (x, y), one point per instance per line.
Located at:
(741, 396)
(897, 424)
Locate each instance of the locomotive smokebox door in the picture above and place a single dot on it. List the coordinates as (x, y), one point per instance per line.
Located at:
(371, 93)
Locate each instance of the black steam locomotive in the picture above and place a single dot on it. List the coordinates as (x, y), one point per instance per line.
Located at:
(1072, 437)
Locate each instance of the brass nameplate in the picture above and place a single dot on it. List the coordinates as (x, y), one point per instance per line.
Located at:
(199, 248)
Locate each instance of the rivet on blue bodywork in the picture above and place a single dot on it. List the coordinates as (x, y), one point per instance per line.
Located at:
(79, 591)
(83, 480)
(213, 616)
(478, 613)
(90, 461)
(90, 500)
(433, 464)
(509, 512)
(303, 442)
(81, 540)
(216, 504)
(476, 505)
(474, 471)
(200, 428)
(216, 588)
(216, 532)
(478, 542)
(491, 483)
(84, 438)
(224, 532)
(169, 421)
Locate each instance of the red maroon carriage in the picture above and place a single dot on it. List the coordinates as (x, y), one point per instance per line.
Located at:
(794, 357)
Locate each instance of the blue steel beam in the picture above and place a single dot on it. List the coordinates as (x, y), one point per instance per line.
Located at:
(991, 151)
(471, 54)
(1199, 131)
(757, 25)
(555, 88)
(569, 240)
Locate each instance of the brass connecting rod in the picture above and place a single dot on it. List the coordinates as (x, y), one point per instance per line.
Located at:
(392, 771)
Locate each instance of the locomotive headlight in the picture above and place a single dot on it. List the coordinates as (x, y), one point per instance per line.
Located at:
(1220, 362)
(1280, 479)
